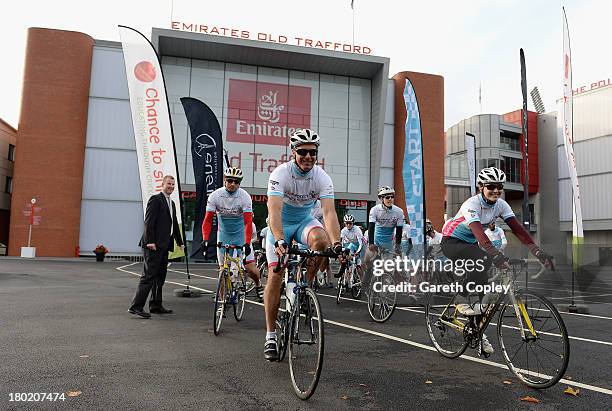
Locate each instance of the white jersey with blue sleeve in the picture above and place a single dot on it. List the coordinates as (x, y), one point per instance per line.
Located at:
(299, 190)
(475, 209)
(386, 220)
(230, 208)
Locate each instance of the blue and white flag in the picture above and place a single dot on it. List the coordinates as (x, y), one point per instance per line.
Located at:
(412, 170)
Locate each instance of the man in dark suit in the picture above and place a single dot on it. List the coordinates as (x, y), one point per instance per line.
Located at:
(160, 230)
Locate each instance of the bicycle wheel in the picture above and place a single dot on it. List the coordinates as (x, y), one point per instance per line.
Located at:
(220, 301)
(282, 334)
(445, 329)
(356, 288)
(241, 290)
(340, 289)
(381, 300)
(263, 273)
(306, 344)
(540, 357)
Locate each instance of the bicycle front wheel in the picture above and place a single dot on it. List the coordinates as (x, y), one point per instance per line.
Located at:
(241, 291)
(444, 326)
(382, 297)
(220, 300)
(356, 288)
(340, 289)
(539, 354)
(306, 344)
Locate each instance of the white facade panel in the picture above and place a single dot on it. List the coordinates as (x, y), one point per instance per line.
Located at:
(111, 175)
(593, 114)
(390, 103)
(386, 159)
(109, 124)
(116, 224)
(108, 73)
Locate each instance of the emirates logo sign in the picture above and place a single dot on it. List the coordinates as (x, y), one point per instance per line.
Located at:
(266, 113)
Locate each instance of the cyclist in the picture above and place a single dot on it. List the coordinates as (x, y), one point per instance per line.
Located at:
(352, 239)
(463, 233)
(434, 241)
(385, 227)
(497, 236)
(406, 239)
(234, 210)
(293, 189)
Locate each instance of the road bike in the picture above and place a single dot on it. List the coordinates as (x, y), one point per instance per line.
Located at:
(231, 286)
(351, 280)
(381, 293)
(299, 327)
(531, 333)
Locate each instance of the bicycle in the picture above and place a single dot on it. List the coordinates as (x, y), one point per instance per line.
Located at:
(231, 286)
(353, 273)
(524, 311)
(382, 296)
(296, 335)
(262, 265)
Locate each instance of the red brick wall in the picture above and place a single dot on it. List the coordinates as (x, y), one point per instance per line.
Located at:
(515, 117)
(51, 140)
(429, 90)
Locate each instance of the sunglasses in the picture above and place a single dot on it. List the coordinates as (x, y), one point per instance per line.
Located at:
(388, 197)
(233, 181)
(492, 187)
(303, 151)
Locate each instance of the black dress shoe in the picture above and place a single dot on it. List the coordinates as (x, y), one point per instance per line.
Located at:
(161, 310)
(139, 312)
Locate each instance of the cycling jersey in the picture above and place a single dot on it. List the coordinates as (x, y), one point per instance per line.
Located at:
(497, 237)
(299, 191)
(352, 239)
(475, 209)
(317, 211)
(386, 220)
(263, 234)
(230, 209)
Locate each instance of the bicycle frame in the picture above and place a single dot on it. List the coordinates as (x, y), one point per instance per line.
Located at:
(228, 260)
(487, 317)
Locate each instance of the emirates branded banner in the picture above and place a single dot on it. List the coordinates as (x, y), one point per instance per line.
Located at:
(412, 171)
(266, 113)
(150, 118)
(568, 142)
(470, 150)
(207, 154)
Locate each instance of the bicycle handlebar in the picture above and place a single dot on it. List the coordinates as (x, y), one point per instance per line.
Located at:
(304, 253)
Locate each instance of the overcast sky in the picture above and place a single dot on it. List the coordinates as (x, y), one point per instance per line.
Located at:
(469, 42)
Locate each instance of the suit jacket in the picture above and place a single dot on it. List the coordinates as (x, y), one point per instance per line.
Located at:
(157, 224)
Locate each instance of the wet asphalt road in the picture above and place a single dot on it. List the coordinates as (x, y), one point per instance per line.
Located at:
(65, 328)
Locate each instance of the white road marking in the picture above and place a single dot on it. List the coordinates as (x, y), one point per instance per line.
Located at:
(409, 342)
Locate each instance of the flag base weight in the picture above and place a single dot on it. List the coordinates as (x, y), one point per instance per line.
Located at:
(187, 293)
(575, 309)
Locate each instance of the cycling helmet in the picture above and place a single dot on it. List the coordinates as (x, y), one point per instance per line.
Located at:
(304, 136)
(234, 172)
(491, 175)
(349, 218)
(428, 226)
(384, 190)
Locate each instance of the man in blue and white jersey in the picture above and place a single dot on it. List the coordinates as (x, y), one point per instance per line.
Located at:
(352, 238)
(234, 209)
(293, 189)
(385, 223)
(497, 236)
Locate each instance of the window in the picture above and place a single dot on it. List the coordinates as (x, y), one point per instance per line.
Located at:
(512, 168)
(11, 153)
(510, 141)
(9, 185)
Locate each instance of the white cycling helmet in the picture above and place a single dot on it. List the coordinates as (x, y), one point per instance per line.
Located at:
(234, 172)
(491, 175)
(304, 136)
(385, 190)
(349, 218)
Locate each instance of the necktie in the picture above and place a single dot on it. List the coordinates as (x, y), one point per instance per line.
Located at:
(170, 209)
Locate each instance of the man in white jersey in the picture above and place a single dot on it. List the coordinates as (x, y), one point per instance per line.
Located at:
(352, 238)
(293, 189)
(434, 241)
(234, 209)
(497, 236)
(464, 238)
